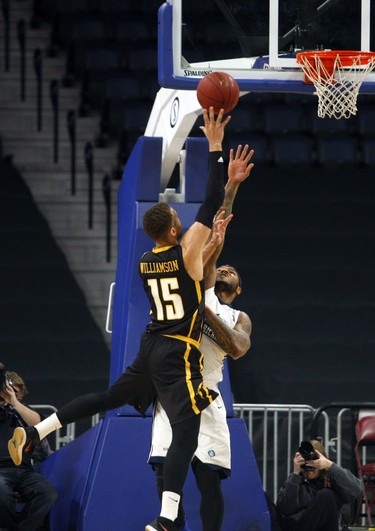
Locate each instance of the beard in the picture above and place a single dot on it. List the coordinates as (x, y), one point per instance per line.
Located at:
(223, 286)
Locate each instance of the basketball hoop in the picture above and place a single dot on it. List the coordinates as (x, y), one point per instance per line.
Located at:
(337, 76)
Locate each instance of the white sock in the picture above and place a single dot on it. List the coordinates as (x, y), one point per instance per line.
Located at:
(48, 425)
(169, 505)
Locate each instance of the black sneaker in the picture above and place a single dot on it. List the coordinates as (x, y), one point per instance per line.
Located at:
(23, 442)
(162, 524)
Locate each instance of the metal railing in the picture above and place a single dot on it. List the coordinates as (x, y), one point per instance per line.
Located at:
(275, 431)
(351, 412)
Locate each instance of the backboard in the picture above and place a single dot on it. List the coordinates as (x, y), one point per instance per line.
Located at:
(256, 41)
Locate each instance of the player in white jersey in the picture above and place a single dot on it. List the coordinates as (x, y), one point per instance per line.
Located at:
(226, 332)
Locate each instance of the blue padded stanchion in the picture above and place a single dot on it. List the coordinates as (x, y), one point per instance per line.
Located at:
(104, 483)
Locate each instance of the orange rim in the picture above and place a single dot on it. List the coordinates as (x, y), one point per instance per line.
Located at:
(328, 58)
(347, 57)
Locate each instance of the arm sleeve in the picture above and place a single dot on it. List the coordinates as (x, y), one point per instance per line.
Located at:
(348, 486)
(214, 190)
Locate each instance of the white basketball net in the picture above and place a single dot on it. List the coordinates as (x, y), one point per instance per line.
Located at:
(337, 91)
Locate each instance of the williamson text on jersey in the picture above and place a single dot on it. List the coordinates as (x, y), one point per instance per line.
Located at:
(159, 267)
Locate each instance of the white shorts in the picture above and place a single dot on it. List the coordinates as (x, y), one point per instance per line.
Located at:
(213, 441)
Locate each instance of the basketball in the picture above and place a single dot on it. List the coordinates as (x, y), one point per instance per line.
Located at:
(218, 90)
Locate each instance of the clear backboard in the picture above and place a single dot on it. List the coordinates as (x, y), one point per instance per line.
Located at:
(256, 41)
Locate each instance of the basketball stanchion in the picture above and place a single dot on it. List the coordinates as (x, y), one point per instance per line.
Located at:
(337, 77)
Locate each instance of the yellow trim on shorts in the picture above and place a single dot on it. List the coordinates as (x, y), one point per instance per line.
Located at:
(201, 361)
(184, 339)
(190, 387)
(202, 390)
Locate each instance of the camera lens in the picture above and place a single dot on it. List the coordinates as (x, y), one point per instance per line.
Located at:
(307, 451)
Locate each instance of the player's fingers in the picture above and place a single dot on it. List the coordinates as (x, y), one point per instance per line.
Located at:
(248, 170)
(227, 220)
(205, 121)
(220, 215)
(249, 155)
(221, 226)
(244, 152)
(212, 114)
(206, 118)
(238, 151)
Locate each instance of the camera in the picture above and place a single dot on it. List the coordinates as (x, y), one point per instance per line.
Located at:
(307, 451)
(3, 382)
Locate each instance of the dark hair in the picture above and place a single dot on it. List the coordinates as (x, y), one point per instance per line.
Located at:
(157, 221)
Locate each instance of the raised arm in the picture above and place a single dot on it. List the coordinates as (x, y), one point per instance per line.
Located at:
(217, 235)
(239, 169)
(195, 238)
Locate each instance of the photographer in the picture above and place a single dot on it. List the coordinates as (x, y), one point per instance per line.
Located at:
(313, 495)
(35, 490)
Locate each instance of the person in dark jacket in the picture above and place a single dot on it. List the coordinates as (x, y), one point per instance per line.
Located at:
(37, 493)
(313, 495)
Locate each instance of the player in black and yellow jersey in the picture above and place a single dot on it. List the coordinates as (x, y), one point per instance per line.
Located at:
(169, 363)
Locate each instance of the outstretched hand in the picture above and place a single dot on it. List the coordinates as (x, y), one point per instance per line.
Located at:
(214, 128)
(219, 228)
(239, 166)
